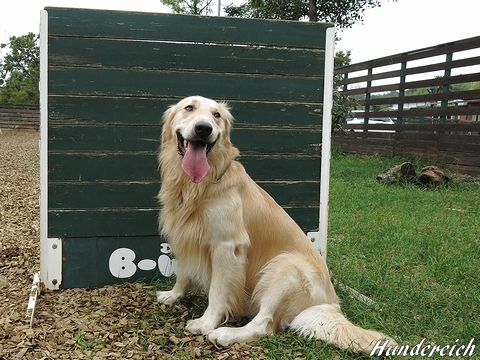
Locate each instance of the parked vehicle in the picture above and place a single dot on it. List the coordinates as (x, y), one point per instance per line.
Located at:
(373, 121)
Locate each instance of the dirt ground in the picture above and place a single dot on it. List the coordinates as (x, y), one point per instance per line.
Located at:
(114, 322)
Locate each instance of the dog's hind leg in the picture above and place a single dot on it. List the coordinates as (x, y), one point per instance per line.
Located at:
(288, 285)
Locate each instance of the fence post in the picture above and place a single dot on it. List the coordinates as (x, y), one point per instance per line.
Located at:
(446, 87)
(401, 92)
(367, 100)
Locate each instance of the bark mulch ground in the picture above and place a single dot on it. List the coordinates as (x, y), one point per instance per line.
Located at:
(114, 322)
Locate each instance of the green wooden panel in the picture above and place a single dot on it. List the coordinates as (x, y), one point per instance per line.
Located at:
(185, 28)
(71, 110)
(113, 195)
(282, 168)
(97, 53)
(125, 167)
(294, 194)
(97, 166)
(105, 138)
(91, 195)
(259, 115)
(113, 74)
(112, 253)
(101, 222)
(277, 141)
(152, 83)
(99, 267)
(132, 222)
(143, 138)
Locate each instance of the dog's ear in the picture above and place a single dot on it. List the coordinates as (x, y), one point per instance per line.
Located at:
(167, 123)
(226, 114)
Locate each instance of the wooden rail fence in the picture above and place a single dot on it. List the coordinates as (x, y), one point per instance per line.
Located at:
(19, 116)
(440, 120)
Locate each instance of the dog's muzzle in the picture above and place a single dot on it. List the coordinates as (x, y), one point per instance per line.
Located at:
(194, 151)
(202, 131)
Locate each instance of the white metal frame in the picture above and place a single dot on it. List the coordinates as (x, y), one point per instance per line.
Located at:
(320, 238)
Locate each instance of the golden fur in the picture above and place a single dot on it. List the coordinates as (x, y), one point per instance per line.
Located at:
(230, 238)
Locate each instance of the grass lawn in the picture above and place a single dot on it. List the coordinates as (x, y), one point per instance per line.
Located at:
(414, 251)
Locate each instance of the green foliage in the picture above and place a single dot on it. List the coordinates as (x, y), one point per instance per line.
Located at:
(342, 104)
(20, 70)
(343, 13)
(196, 7)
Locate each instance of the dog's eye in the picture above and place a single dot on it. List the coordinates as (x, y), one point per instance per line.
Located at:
(217, 115)
(189, 107)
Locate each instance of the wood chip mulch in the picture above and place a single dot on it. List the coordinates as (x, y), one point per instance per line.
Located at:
(114, 322)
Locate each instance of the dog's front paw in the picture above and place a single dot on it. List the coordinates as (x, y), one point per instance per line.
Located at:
(223, 336)
(167, 297)
(200, 326)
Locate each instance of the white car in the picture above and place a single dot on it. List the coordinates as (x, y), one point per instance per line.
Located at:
(373, 121)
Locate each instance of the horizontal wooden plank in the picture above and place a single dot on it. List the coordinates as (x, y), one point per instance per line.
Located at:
(412, 99)
(107, 111)
(158, 84)
(436, 82)
(142, 167)
(413, 70)
(463, 156)
(114, 195)
(102, 167)
(459, 158)
(131, 222)
(146, 138)
(184, 28)
(124, 54)
(88, 110)
(84, 223)
(105, 138)
(424, 142)
(467, 170)
(473, 127)
(92, 195)
(106, 254)
(425, 112)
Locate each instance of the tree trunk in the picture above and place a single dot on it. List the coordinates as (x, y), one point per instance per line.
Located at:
(312, 10)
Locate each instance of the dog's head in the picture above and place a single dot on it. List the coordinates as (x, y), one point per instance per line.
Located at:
(198, 126)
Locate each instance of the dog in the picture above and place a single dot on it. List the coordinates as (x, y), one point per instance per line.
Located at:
(233, 241)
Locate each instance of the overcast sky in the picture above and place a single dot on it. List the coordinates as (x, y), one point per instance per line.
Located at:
(393, 28)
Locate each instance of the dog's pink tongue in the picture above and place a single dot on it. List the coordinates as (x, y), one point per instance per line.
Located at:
(195, 162)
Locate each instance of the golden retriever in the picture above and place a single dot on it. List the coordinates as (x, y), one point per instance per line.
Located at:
(232, 240)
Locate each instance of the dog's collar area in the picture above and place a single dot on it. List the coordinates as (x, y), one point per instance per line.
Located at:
(182, 143)
(222, 173)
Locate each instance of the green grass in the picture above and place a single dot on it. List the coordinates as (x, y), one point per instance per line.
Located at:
(414, 251)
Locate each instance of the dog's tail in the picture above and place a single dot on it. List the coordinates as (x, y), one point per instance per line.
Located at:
(326, 322)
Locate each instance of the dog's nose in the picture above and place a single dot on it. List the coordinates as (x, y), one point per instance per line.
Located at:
(203, 129)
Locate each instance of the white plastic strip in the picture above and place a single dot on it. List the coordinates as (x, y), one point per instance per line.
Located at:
(32, 300)
(360, 297)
